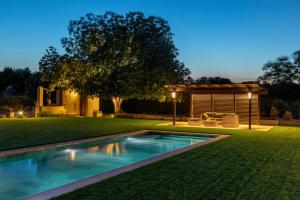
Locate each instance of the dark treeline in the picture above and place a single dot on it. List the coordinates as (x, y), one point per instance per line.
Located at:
(18, 82)
(17, 89)
(281, 79)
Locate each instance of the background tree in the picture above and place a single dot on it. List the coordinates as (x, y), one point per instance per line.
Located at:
(296, 58)
(212, 80)
(16, 81)
(281, 79)
(282, 70)
(123, 57)
(6, 78)
(53, 69)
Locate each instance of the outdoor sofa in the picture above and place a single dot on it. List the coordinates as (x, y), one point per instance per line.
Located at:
(212, 119)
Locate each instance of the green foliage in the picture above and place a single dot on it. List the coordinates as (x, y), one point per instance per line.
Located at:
(53, 69)
(288, 115)
(282, 70)
(97, 113)
(212, 80)
(12, 103)
(127, 56)
(281, 79)
(274, 113)
(282, 105)
(48, 114)
(18, 81)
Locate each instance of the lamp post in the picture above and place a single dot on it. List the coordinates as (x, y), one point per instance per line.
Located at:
(250, 108)
(174, 107)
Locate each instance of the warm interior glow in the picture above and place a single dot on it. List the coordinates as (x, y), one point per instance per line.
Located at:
(249, 95)
(73, 93)
(21, 113)
(173, 95)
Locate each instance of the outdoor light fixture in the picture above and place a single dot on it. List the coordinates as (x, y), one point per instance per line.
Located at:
(20, 113)
(249, 95)
(174, 106)
(250, 108)
(173, 95)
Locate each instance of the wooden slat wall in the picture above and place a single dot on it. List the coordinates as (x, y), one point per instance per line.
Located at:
(242, 108)
(223, 103)
(201, 104)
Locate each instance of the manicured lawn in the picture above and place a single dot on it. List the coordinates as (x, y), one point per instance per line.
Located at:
(247, 165)
(28, 132)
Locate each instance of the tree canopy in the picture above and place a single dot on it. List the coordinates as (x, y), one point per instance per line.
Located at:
(282, 70)
(53, 68)
(281, 77)
(116, 56)
(212, 80)
(17, 81)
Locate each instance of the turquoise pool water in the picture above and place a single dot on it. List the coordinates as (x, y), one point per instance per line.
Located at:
(27, 174)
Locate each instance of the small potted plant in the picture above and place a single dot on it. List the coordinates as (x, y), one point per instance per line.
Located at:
(98, 113)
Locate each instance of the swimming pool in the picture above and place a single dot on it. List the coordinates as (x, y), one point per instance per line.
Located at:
(27, 174)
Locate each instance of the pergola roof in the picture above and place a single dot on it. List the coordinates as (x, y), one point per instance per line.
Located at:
(215, 88)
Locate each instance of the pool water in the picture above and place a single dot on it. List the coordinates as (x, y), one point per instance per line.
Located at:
(27, 174)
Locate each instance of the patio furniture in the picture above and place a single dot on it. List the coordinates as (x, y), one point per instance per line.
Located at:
(222, 98)
(210, 123)
(228, 120)
(195, 121)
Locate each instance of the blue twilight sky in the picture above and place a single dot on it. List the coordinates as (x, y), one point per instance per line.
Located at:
(229, 38)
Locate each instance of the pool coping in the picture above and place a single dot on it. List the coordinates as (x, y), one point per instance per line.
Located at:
(60, 190)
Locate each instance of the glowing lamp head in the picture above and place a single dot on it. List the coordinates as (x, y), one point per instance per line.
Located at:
(20, 113)
(173, 95)
(249, 95)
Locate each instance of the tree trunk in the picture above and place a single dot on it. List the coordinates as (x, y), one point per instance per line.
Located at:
(117, 104)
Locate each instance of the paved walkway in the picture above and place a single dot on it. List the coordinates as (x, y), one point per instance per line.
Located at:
(241, 126)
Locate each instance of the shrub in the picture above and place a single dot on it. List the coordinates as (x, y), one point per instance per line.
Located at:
(97, 113)
(274, 113)
(281, 106)
(11, 104)
(48, 114)
(288, 115)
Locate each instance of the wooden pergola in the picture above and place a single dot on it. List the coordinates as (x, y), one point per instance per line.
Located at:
(223, 98)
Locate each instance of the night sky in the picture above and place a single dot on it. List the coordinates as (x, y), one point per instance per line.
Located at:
(215, 38)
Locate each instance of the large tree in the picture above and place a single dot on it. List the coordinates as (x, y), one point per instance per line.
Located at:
(122, 56)
(282, 70)
(15, 81)
(281, 77)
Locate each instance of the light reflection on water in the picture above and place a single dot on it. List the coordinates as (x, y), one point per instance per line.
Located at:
(112, 149)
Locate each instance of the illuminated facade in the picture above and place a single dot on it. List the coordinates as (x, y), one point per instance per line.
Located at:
(66, 102)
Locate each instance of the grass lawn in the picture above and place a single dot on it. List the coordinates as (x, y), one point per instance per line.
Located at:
(247, 165)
